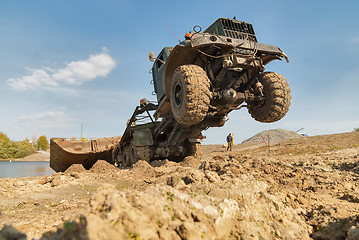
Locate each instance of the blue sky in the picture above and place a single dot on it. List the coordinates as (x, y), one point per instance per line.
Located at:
(64, 63)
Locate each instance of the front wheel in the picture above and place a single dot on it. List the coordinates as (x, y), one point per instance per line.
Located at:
(190, 94)
(276, 100)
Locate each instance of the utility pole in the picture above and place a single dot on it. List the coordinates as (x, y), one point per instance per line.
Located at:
(82, 129)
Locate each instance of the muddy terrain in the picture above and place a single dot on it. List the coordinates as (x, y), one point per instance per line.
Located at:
(303, 188)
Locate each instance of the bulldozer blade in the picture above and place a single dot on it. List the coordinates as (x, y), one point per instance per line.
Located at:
(64, 153)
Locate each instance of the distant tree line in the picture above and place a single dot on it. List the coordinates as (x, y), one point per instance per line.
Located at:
(10, 149)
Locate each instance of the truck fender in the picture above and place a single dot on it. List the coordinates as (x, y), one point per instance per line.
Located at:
(180, 55)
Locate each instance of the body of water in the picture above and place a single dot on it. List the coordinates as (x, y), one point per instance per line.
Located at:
(25, 169)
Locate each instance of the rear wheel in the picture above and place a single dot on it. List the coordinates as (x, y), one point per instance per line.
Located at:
(190, 94)
(143, 153)
(194, 149)
(127, 157)
(121, 159)
(276, 101)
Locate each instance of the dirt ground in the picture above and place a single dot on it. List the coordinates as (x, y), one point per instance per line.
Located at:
(304, 188)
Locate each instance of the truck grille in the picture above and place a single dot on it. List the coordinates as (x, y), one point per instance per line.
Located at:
(232, 28)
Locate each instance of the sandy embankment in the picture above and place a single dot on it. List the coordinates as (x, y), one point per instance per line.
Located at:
(38, 156)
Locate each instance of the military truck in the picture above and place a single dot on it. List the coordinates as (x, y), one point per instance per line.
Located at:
(197, 84)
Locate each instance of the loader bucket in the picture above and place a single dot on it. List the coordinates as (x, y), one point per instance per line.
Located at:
(64, 153)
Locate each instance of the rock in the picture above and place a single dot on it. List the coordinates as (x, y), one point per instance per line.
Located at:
(193, 176)
(212, 176)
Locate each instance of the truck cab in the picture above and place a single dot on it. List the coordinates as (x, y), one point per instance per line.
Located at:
(157, 71)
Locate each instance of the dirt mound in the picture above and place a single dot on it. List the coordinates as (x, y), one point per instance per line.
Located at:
(142, 169)
(273, 136)
(75, 168)
(190, 161)
(163, 212)
(101, 166)
(305, 188)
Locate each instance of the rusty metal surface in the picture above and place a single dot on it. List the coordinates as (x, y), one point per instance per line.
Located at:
(64, 153)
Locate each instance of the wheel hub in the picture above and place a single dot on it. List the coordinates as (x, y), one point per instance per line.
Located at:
(178, 94)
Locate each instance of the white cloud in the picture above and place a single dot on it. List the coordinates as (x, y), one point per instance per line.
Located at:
(38, 78)
(75, 72)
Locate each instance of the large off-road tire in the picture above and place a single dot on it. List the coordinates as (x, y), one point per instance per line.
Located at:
(193, 149)
(190, 94)
(120, 159)
(130, 155)
(196, 150)
(143, 153)
(277, 98)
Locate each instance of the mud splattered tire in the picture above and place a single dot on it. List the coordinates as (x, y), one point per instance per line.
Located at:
(127, 157)
(190, 94)
(143, 153)
(130, 155)
(277, 98)
(194, 149)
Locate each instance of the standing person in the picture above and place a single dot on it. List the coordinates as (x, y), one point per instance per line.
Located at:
(229, 142)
